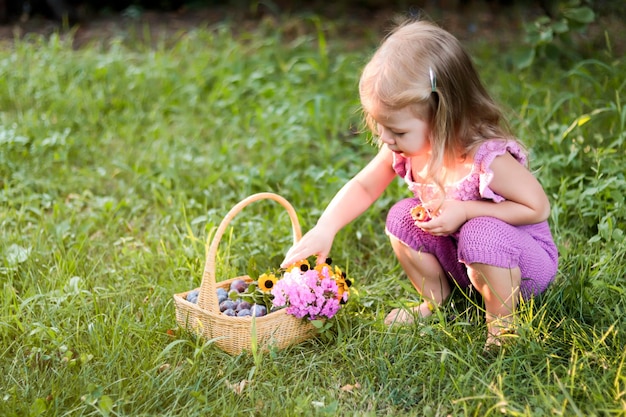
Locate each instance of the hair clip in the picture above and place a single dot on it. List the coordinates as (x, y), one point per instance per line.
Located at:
(433, 79)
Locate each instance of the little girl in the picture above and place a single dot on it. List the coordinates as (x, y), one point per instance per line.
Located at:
(484, 221)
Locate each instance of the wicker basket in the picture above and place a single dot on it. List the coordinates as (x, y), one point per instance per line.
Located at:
(236, 334)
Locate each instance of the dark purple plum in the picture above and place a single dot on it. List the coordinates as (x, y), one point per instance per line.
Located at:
(258, 310)
(244, 305)
(192, 295)
(239, 285)
(221, 292)
(227, 304)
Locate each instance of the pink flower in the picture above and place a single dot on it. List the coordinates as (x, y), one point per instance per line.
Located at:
(311, 294)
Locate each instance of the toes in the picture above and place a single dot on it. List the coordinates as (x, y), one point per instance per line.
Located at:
(398, 316)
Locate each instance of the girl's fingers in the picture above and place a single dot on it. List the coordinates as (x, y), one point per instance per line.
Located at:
(293, 255)
(321, 258)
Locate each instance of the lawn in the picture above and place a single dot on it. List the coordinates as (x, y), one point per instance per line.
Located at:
(118, 161)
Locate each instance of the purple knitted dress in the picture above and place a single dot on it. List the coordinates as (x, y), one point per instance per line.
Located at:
(484, 240)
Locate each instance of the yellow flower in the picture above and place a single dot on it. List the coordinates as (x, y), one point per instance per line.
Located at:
(338, 273)
(302, 265)
(343, 286)
(320, 267)
(266, 282)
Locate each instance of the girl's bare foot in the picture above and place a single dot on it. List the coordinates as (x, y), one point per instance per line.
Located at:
(499, 334)
(403, 316)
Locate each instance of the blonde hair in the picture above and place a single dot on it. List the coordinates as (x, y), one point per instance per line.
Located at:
(452, 99)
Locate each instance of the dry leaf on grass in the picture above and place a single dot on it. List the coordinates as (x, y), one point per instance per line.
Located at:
(350, 387)
(238, 387)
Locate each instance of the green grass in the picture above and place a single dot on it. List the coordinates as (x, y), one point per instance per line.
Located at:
(117, 163)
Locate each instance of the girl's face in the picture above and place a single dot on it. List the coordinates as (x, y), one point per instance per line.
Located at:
(403, 132)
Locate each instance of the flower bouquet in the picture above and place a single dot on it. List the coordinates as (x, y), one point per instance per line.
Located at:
(306, 293)
(311, 293)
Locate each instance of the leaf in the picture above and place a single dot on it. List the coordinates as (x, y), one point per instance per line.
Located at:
(350, 387)
(580, 120)
(580, 14)
(318, 324)
(560, 26)
(170, 346)
(16, 254)
(38, 407)
(238, 387)
(199, 396)
(583, 119)
(105, 404)
(524, 59)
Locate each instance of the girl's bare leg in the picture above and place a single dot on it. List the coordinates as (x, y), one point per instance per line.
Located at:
(499, 288)
(428, 278)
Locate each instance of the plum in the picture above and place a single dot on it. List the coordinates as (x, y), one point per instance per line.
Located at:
(192, 296)
(258, 310)
(221, 294)
(227, 305)
(239, 285)
(244, 305)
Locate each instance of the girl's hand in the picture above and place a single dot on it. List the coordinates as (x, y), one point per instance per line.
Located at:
(316, 241)
(446, 220)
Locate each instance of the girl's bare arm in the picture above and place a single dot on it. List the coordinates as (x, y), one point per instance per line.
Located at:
(526, 201)
(356, 196)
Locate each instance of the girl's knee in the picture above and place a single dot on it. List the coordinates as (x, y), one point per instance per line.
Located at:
(474, 277)
(477, 277)
(494, 282)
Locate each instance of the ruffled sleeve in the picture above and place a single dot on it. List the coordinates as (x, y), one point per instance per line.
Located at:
(485, 155)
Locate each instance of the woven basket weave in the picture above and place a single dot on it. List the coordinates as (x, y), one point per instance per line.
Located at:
(236, 334)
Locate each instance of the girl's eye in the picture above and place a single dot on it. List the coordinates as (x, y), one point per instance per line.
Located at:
(398, 134)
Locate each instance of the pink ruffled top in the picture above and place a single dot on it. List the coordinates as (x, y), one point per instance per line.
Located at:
(475, 185)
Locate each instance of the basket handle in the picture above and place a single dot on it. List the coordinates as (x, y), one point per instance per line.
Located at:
(207, 297)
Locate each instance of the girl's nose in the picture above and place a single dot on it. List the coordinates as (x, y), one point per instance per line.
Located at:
(384, 136)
